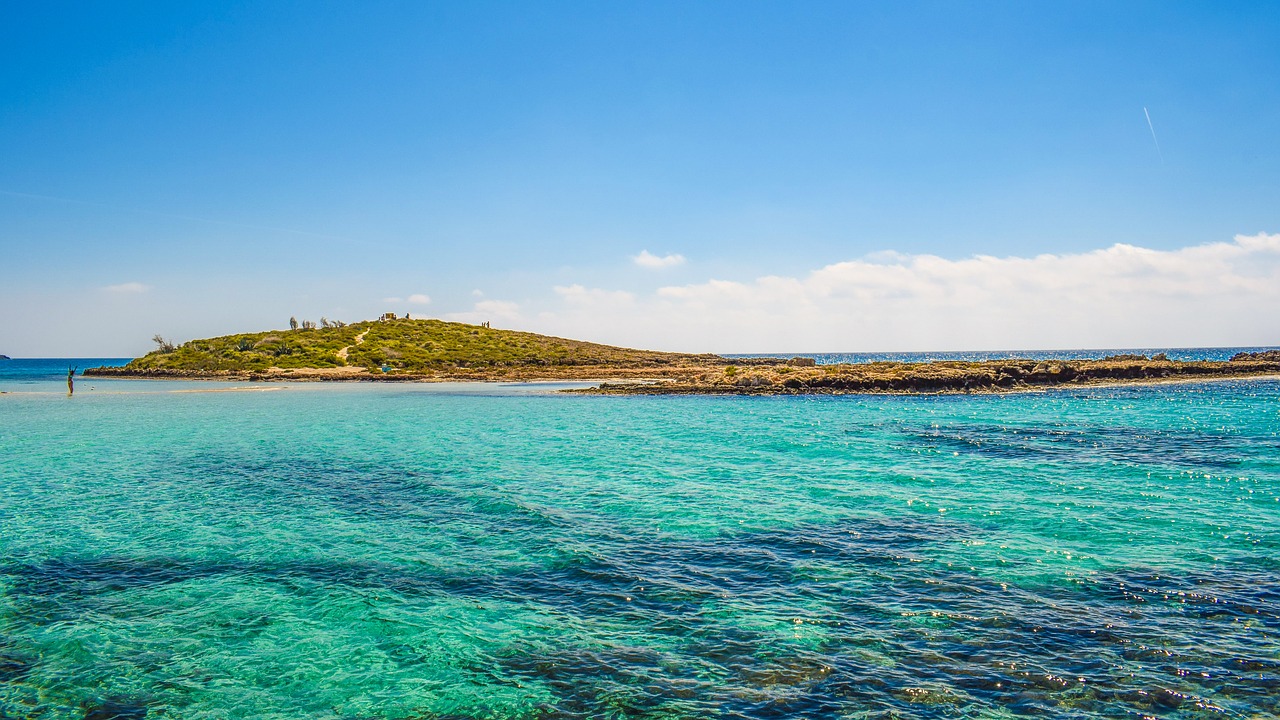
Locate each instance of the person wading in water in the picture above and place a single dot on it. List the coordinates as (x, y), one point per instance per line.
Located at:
(71, 383)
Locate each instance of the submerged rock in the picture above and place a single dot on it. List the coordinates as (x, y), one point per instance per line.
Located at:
(115, 710)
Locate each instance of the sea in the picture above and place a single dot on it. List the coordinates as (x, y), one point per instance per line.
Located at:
(195, 550)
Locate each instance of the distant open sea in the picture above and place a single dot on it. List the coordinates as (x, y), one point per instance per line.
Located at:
(358, 551)
(980, 355)
(26, 373)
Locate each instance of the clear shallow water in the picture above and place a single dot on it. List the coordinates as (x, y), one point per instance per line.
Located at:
(358, 551)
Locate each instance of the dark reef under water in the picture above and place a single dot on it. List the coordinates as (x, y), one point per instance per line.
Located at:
(917, 640)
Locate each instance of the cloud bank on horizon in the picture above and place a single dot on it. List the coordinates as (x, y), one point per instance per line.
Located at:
(1217, 294)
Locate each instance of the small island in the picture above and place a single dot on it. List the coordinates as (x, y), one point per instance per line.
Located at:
(402, 350)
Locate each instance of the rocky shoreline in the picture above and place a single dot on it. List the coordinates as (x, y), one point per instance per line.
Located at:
(775, 376)
(949, 377)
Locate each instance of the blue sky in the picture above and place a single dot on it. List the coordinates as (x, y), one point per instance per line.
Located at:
(217, 168)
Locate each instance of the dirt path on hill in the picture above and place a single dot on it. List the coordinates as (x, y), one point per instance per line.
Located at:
(342, 354)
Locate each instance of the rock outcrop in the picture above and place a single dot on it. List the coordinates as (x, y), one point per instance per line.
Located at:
(1265, 355)
(944, 377)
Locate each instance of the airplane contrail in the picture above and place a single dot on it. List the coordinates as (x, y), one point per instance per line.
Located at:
(1153, 134)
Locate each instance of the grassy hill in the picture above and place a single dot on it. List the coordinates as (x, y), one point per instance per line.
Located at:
(404, 349)
(402, 346)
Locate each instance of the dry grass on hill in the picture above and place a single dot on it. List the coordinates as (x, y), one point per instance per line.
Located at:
(403, 347)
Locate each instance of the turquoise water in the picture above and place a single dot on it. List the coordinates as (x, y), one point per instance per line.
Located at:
(205, 550)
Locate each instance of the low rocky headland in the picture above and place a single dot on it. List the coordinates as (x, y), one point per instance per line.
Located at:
(403, 350)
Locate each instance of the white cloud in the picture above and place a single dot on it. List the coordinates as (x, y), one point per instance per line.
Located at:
(488, 311)
(129, 288)
(418, 299)
(593, 296)
(1224, 293)
(647, 259)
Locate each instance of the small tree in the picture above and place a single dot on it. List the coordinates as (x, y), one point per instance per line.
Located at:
(308, 325)
(162, 344)
(324, 321)
(293, 323)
